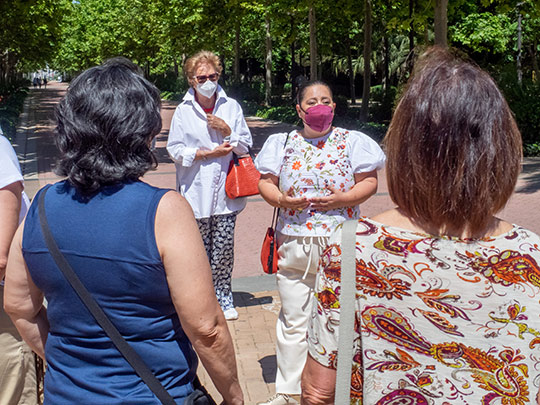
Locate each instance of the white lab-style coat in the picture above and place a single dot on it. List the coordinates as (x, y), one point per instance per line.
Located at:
(202, 182)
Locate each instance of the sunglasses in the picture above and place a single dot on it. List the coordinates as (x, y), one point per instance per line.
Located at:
(213, 77)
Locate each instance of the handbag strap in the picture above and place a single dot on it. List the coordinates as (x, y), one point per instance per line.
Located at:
(276, 209)
(347, 298)
(236, 157)
(123, 347)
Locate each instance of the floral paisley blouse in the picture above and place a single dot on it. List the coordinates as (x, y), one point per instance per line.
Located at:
(306, 167)
(438, 320)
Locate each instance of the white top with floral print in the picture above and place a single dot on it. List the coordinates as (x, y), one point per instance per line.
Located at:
(439, 320)
(307, 166)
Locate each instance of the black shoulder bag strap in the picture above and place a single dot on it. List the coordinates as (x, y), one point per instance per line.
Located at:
(123, 347)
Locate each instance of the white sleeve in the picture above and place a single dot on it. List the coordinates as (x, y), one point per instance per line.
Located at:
(9, 167)
(240, 136)
(270, 158)
(364, 153)
(176, 146)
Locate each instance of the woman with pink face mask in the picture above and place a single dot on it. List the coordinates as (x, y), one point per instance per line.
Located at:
(317, 176)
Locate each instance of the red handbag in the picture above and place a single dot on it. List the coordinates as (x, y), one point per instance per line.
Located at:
(269, 250)
(242, 177)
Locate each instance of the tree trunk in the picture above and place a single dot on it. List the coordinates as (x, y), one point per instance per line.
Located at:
(236, 67)
(351, 72)
(294, 69)
(367, 58)
(410, 57)
(534, 57)
(386, 65)
(518, 58)
(411, 28)
(441, 23)
(268, 62)
(312, 42)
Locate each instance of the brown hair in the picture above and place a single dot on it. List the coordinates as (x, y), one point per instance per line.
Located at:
(453, 147)
(200, 57)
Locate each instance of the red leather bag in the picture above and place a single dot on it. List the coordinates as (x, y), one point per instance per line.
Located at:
(269, 250)
(242, 177)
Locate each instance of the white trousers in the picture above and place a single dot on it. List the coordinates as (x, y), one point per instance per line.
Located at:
(298, 262)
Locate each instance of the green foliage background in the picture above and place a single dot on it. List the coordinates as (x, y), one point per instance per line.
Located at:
(72, 35)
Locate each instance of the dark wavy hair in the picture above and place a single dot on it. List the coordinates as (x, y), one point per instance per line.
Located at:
(453, 146)
(105, 124)
(306, 85)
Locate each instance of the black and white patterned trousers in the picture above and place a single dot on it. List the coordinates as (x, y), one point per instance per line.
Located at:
(218, 236)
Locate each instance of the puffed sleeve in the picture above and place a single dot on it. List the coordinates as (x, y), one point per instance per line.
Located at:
(364, 153)
(176, 144)
(270, 158)
(240, 136)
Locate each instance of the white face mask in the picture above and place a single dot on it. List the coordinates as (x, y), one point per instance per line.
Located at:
(207, 89)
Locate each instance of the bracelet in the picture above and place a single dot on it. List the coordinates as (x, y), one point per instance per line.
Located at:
(279, 201)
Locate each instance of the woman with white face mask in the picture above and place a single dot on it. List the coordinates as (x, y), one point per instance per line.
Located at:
(207, 127)
(317, 176)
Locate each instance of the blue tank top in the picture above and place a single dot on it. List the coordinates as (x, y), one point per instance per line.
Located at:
(110, 243)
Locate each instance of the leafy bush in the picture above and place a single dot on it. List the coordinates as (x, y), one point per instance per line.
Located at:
(279, 113)
(250, 107)
(10, 108)
(524, 101)
(253, 91)
(342, 105)
(531, 149)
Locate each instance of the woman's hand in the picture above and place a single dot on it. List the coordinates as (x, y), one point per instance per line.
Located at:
(221, 150)
(286, 200)
(336, 199)
(365, 186)
(218, 124)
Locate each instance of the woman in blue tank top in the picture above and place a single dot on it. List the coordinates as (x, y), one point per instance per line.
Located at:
(121, 237)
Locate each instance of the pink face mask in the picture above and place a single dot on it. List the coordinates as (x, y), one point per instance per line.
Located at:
(319, 117)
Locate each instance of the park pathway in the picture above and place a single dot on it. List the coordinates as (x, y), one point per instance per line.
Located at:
(255, 294)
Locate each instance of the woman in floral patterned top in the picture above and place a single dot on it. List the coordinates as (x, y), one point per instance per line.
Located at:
(317, 176)
(447, 302)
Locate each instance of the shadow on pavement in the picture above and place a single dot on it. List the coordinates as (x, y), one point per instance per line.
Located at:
(530, 176)
(245, 299)
(269, 367)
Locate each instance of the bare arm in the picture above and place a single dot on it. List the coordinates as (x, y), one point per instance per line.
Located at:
(318, 383)
(268, 187)
(10, 204)
(23, 301)
(365, 186)
(192, 291)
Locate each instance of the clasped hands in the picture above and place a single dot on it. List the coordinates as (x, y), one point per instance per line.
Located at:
(336, 199)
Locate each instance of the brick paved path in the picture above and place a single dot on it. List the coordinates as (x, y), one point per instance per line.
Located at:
(254, 294)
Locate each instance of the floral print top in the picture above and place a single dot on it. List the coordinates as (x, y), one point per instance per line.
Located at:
(438, 320)
(306, 167)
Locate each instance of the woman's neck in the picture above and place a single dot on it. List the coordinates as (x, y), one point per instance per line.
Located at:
(397, 218)
(205, 102)
(308, 133)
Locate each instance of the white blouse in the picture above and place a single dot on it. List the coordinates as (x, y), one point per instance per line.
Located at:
(202, 182)
(306, 167)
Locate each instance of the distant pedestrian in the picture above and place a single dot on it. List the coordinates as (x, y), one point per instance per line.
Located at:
(45, 82)
(35, 82)
(39, 82)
